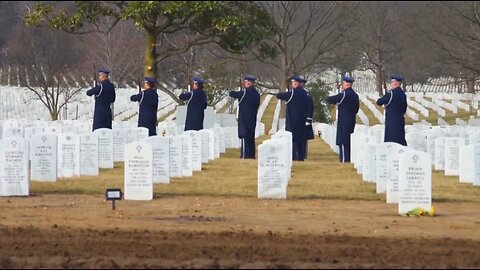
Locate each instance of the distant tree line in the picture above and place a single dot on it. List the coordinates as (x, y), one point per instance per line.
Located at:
(223, 40)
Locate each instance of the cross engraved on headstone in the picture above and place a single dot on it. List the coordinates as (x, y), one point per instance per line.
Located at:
(103, 132)
(170, 141)
(139, 148)
(69, 138)
(455, 141)
(14, 143)
(415, 159)
(44, 139)
(272, 149)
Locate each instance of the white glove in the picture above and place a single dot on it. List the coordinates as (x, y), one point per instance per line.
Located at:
(307, 124)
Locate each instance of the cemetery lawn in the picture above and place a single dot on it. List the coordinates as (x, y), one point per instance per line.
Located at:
(214, 220)
(319, 177)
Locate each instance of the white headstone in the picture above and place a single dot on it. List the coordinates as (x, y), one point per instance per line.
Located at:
(44, 157)
(393, 172)
(216, 133)
(231, 137)
(381, 172)
(131, 135)
(27, 135)
(431, 136)
(187, 169)
(466, 164)
(476, 165)
(272, 170)
(138, 171)
(452, 155)
(175, 156)
(12, 132)
(211, 144)
(415, 186)
(474, 138)
(118, 145)
(369, 163)
(142, 133)
(417, 140)
(205, 137)
(440, 153)
(53, 129)
(161, 160)
(14, 176)
(196, 149)
(181, 115)
(68, 162)
(209, 118)
(222, 140)
(105, 147)
(89, 149)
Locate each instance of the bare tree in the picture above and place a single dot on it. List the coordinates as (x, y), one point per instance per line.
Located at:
(379, 24)
(455, 28)
(117, 50)
(48, 57)
(306, 32)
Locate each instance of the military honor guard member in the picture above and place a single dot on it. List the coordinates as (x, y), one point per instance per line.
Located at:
(296, 100)
(348, 106)
(148, 106)
(196, 102)
(395, 103)
(104, 93)
(248, 103)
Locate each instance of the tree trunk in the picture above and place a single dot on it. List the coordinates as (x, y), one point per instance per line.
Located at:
(379, 80)
(54, 115)
(470, 85)
(150, 69)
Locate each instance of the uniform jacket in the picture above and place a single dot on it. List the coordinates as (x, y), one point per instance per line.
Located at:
(248, 103)
(104, 94)
(395, 102)
(296, 100)
(196, 101)
(147, 112)
(348, 106)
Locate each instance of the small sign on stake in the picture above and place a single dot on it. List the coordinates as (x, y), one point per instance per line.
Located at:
(113, 194)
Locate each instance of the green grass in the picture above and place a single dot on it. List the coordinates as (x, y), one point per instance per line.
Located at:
(162, 118)
(322, 176)
(319, 177)
(371, 117)
(267, 117)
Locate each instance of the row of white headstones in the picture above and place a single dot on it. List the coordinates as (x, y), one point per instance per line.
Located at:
(51, 154)
(405, 173)
(13, 99)
(416, 101)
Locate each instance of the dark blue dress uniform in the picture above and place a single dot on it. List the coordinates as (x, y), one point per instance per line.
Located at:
(148, 107)
(196, 101)
(104, 93)
(248, 103)
(395, 102)
(348, 106)
(296, 100)
(308, 124)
